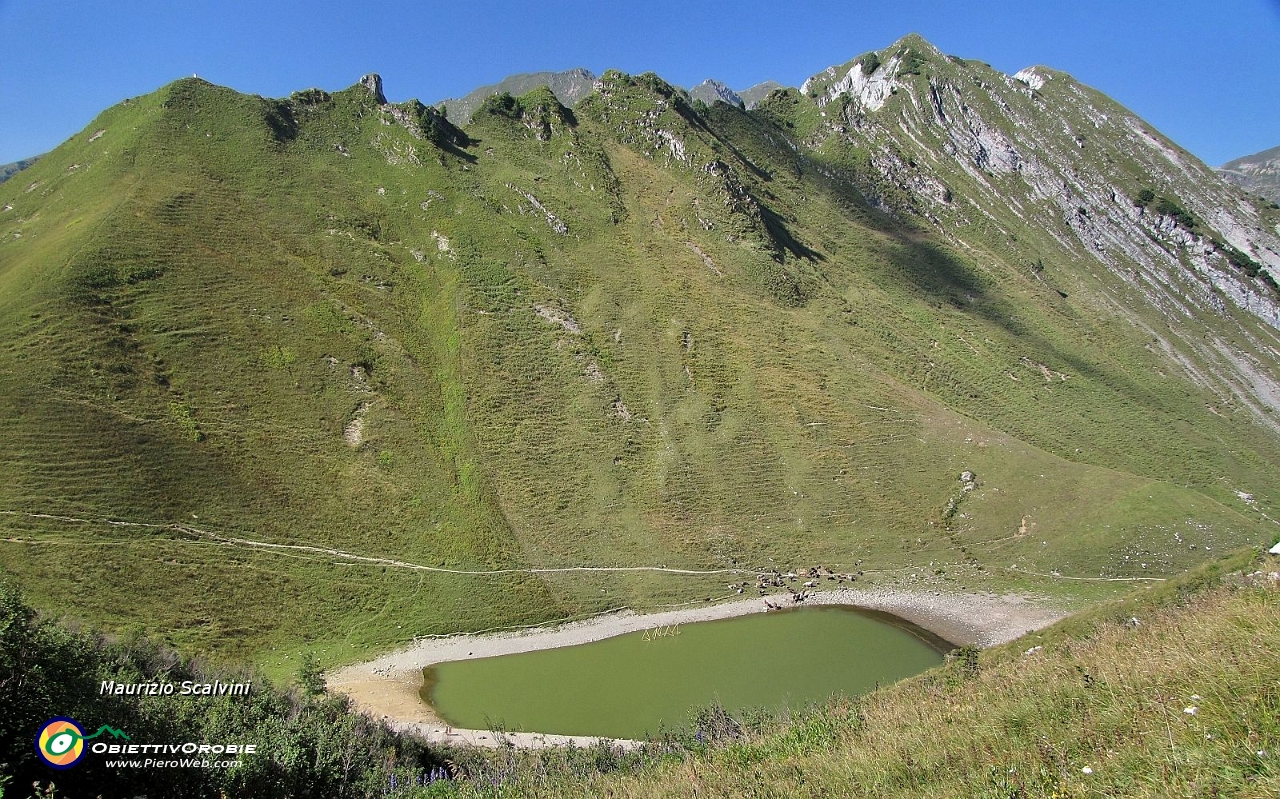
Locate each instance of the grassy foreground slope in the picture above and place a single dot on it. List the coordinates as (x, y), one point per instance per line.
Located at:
(270, 365)
(1166, 692)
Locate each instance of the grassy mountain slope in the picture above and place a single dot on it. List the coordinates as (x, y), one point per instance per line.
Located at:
(202, 343)
(752, 96)
(268, 362)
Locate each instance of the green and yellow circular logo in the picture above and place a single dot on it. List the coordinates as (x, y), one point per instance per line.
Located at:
(60, 742)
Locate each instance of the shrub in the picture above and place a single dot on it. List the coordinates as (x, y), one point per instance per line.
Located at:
(503, 105)
(911, 63)
(870, 63)
(1167, 207)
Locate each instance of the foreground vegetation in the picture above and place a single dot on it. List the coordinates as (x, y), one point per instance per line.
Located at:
(1169, 691)
(310, 744)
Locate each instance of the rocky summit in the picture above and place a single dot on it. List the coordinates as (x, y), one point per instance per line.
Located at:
(334, 372)
(712, 91)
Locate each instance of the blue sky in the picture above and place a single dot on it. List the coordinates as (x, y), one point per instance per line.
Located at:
(1206, 74)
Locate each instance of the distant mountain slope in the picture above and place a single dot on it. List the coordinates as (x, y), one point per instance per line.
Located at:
(1258, 173)
(326, 372)
(710, 91)
(9, 170)
(755, 94)
(569, 87)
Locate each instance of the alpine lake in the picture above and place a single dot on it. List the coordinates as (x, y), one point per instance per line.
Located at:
(638, 684)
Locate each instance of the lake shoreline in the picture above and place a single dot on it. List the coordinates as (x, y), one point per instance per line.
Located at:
(387, 687)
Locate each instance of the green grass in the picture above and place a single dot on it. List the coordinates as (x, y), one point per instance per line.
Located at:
(195, 319)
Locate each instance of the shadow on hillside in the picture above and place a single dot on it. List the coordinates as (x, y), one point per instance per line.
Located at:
(782, 237)
(707, 126)
(455, 148)
(913, 257)
(929, 269)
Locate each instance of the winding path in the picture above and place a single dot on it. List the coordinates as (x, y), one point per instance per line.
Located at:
(196, 532)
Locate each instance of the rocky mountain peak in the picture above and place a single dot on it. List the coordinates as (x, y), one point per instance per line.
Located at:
(758, 92)
(917, 42)
(1035, 77)
(871, 78)
(373, 82)
(866, 80)
(710, 91)
(1051, 164)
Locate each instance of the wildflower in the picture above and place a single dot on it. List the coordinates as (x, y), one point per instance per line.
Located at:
(1086, 770)
(1191, 711)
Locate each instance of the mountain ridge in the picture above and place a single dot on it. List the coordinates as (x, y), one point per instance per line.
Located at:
(572, 85)
(349, 353)
(711, 91)
(1258, 173)
(569, 86)
(9, 170)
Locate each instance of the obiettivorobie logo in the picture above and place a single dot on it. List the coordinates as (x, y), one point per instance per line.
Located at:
(60, 742)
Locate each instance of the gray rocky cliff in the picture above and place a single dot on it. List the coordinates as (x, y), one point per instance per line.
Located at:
(1044, 168)
(373, 82)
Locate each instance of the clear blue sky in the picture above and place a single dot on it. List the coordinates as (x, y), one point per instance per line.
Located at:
(1207, 74)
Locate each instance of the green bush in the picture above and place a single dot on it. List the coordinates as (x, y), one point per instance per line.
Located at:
(1167, 207)
(1164, 206)
(503, 105)
(911, 63)
(1245, 264)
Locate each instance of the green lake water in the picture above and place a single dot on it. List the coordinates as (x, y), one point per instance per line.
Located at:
(636, 684)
